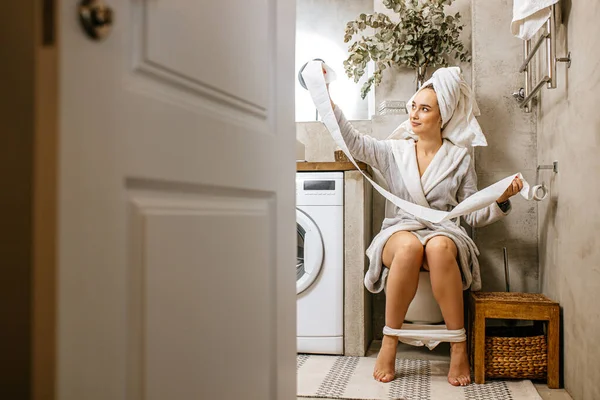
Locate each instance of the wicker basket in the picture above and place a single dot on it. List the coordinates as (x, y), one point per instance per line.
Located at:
(523, 357)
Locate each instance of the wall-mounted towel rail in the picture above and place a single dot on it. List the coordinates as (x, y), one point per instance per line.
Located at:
(526, 94)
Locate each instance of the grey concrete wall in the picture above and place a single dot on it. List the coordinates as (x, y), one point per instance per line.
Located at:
(569, 224)
(511, 136)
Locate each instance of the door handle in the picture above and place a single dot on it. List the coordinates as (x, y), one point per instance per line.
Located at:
(96, 18)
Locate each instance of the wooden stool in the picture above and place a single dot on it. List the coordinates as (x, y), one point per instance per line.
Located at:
(523, 306)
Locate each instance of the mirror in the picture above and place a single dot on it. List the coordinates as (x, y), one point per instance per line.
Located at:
(320, 34)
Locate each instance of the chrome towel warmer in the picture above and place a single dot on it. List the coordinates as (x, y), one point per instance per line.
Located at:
(526, 94)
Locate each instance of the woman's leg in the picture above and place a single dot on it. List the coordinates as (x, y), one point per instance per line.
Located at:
(403, 255)
(446, 282)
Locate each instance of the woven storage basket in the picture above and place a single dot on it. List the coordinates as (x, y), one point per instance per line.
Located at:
(524, 357)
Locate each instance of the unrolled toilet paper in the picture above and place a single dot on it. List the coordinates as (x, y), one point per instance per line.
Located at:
(316, 85)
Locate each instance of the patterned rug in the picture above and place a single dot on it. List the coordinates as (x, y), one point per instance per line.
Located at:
(330, 377)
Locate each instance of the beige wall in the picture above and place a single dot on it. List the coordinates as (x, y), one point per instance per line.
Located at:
(569, 224)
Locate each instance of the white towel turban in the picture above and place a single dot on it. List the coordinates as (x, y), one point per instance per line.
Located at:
(457, 107)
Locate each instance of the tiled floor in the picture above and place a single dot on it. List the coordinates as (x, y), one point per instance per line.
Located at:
(442, 352)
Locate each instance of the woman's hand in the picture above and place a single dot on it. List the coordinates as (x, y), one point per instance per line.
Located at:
(514, 188)
(331, 101)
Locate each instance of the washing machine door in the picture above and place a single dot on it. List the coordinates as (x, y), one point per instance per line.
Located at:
(310, 251)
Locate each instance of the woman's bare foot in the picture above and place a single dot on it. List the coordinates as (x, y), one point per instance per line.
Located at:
(385, 366)
(460, 372)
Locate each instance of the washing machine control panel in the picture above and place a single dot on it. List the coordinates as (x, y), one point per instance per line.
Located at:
(320, 188)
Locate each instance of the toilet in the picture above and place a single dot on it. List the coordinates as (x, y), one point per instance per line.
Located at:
(423, 309)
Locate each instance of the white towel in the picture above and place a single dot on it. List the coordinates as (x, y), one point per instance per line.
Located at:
(457, 107)
(529, 16)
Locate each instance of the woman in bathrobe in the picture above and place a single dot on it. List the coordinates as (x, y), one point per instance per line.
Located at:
(433, 172)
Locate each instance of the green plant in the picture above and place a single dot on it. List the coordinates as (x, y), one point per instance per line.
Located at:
(424, 37)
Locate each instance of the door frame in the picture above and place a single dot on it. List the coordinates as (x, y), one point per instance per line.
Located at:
(45, 202)
(28, 116)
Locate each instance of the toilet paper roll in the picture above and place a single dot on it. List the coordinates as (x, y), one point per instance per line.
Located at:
(315, 81)
(329, 75)
(536, 192)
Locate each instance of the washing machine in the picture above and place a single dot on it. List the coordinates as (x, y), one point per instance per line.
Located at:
(320, 262)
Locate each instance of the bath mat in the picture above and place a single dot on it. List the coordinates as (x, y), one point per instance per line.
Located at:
(329, 377)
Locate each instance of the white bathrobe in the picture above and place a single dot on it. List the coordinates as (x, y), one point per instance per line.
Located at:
(449, 179)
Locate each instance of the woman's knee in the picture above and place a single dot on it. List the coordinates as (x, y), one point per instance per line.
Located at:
(440, 247)
(406, 251)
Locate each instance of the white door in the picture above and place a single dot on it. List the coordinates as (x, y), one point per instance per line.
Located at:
(176, 205)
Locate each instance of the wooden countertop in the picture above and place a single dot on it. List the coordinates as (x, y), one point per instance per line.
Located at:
(304, 166)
